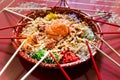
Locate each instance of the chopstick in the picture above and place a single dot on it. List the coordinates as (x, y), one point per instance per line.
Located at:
(94, 63)
(12, 37)
(89, 10)
(19, 8)
(95, 5)
(112, 60)
(35, 66)
(14, 26)
(108, 45)
(8, 5)
(98, 15)
(2, 1)
(63, 71)
(103, 22)
(110, 1)
(10, 60)
(6, 9)
(108, 32)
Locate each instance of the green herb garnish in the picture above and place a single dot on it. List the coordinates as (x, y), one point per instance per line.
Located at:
(38, 54)
(88, 34)
(49, 59)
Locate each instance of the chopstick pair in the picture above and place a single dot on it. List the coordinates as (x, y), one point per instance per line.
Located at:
(103, 22)
(111, 59)
(108, 45)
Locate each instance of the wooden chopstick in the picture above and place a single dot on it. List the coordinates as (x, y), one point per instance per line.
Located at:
(89, 10)
(63, 71)
(12, 37)
(8, 5)
(19, 8)
(32, 19)
(98, 15)
(14, 26)
(108, 32)
(111, 59)
(26, 17)
(94, 63)
(108, 45)
(35, 66)
(2, 1)
(103, 22)
(13, 56)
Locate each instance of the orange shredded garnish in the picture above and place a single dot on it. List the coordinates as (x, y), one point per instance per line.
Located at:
(60, 28)
(57, 30)
(49, 31)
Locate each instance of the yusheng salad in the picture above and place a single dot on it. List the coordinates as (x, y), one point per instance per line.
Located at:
(63, 34)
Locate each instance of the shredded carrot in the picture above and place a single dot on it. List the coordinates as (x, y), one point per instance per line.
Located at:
(57, 30)
(49, 31)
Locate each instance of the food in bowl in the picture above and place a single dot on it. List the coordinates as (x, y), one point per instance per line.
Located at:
(64, 34)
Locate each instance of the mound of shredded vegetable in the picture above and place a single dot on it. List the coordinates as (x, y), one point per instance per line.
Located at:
(63, 34)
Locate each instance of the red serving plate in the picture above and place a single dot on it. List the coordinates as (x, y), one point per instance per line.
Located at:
(82, 16)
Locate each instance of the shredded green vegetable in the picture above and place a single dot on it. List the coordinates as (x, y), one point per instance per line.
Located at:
(89, 34)
(38, 54)
(50, 60)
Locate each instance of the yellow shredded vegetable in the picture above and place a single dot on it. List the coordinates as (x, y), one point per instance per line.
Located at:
(51, 16)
